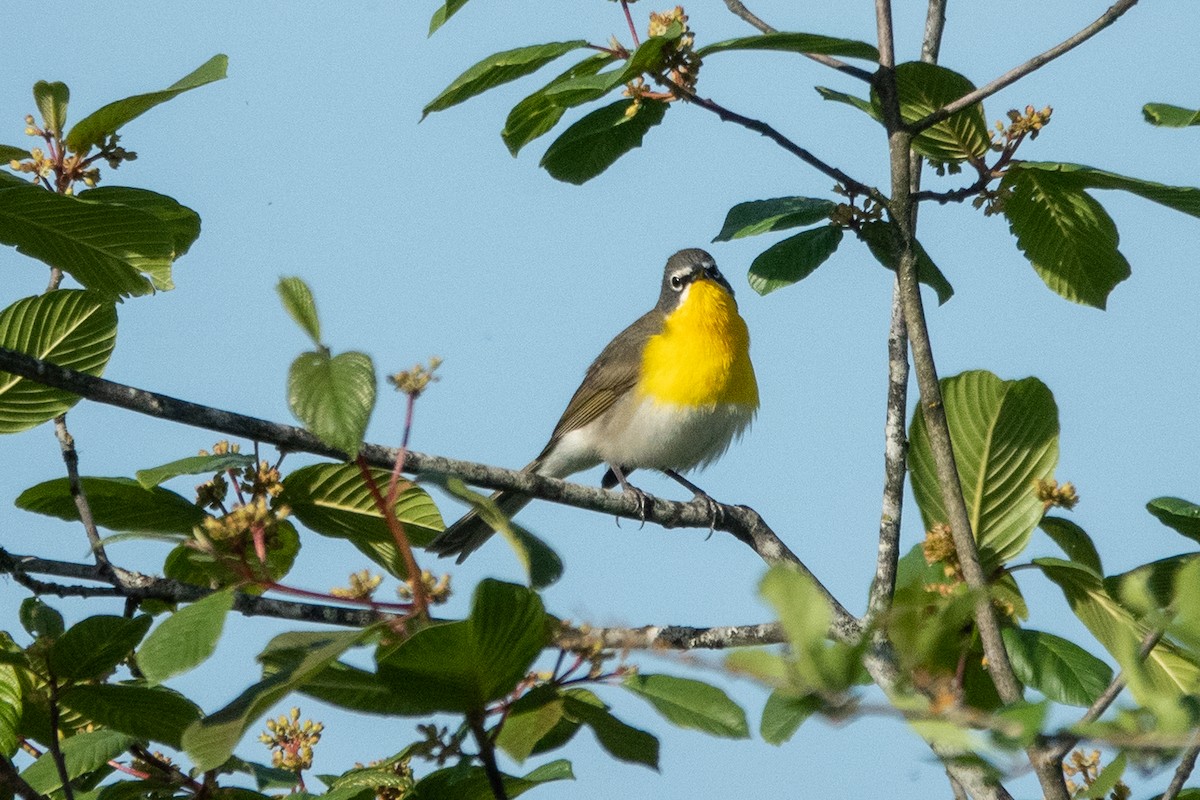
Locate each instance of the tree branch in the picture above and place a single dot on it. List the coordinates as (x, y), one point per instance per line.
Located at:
(672, 637)
(1110, 16)
(739, 10)
(70, 456)
(1186, 764)
(11, 780)
(744, 523)
(894, 464)
(762, 128)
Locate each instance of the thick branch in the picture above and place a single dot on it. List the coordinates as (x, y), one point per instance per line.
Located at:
(744, 523)
(894, 464)
(1186, 764)
(12, 781)
(1016, 73)
(672, 637)
(124, 583)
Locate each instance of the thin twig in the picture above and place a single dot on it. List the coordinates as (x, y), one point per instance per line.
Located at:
(1110, 16)
(487, 754)
(415, 582)
(60, 761)
(1187, 763)
(739, 10)
(762, 128)
(1109, 695)
(70, 457)
(744, 523)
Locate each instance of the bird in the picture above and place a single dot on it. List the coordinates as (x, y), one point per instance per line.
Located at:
(670, 393)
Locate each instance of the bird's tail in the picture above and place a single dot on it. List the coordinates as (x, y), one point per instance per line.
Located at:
(471, 531)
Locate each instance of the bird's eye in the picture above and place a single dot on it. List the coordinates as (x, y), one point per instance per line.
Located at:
(676, 282)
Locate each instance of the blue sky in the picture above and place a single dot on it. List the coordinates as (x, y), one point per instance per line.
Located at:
(428, 238)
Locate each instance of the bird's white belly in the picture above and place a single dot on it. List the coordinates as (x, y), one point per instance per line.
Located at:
(646, 434)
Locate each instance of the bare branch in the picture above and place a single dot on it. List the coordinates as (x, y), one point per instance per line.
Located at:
(1109, 695)
(12, 781)
(742, 522)
(739, 10)
(124, 583)
(1186, 764)
(673, 637)
(894, 464)
(762, 128)
(1016, 73)
(70, 456)
(935, 25)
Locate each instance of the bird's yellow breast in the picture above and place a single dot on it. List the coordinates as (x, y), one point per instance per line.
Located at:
(702, 356)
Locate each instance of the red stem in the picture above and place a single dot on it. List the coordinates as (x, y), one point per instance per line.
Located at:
(629, 19)
(420, 599)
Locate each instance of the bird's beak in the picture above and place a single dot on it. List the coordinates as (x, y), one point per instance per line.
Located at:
(716, 277)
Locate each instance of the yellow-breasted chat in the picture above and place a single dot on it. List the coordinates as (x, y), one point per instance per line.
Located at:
(670, 393)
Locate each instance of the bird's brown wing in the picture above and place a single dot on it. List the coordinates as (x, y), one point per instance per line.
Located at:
(613, 374)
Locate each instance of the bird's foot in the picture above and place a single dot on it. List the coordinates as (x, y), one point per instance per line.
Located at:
(643, 499)
(716, 512)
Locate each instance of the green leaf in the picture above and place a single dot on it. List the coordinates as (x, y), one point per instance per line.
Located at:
(39, 619)
(1074, 541)
(1106, 781)
(11, 707)
(879, 239)
(189, 565)
(924, 88)
(464, 782)
(784, 714)
(621, 741)
(542, 565)
(104, 247)
(333, 396)
(761, 216)
(1165, 671)
(1155, 581)
(210, 741)
(300, 305)
(333, 500)
(181, 222)
(1169, 116)
(119, 504)
(795, 43)
(185, 639)
(498, 69)
(534, 715)
(592, 144)
(192, 465)
(82, 753)
(95, 646)
(804, 612)
(1185, 199)
(850, 100)
(539, 112)
(1185, 601)
(107, 120)
(691, 704)
(1178, 515)
(9, 153)
(1005, 437)
(1061, 670)
(71, 328)
(52, 99)
(462, 666)
(1020, 723)
(143, 712)
(1067, 236)
(349, 687)
(444, 13)
(793, 259)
